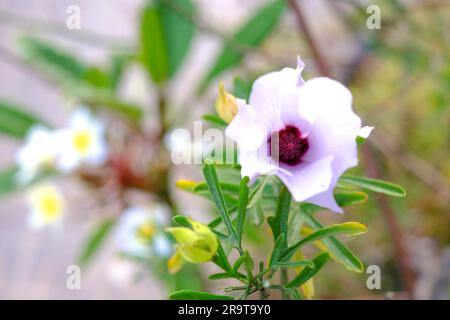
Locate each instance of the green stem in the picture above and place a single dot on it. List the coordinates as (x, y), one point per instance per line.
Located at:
(284, 281)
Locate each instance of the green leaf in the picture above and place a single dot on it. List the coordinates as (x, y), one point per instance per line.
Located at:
(375, 185)
(347, 228)
(350, 198)
(257, 192)
(251, 34)
(242, 89)
(221, 259)
(242, 207)
(219, 276)
(117, 67)
(225, 186)
(59, 64)
(248, 263)
(101, 98)
(15, 121)
(95, 240)
(153, 48)
(178, 30)
(182, 221)
(88, 84)
(215, 120)
(7, 181)
(197, 295)
(278, 249)
(166, 34)
(308, 272)
(238, 263)
(212, 180)
(279, 223)
(294, 264)
(338, 251)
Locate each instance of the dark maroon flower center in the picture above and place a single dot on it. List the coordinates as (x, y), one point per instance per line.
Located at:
(290, 147)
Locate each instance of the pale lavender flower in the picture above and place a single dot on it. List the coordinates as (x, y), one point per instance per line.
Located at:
(304, 132)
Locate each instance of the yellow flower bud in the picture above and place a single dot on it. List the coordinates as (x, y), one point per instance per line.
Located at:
(185, 184)
(196, 245)
(226, 104)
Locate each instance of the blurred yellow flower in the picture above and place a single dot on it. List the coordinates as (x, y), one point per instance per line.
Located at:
(196, 245)
(47, 206)
(226, 104)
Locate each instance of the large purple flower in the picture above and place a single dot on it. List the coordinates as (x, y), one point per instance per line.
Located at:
(303, 132)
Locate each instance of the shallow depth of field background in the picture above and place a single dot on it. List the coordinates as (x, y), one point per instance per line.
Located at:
(400, 79)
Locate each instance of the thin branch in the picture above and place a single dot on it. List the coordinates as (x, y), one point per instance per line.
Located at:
(321, 63)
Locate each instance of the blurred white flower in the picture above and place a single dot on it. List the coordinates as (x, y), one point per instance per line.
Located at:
(47, 206)
(38, 153)
(162, 246)
(140, 231)
(82, 142)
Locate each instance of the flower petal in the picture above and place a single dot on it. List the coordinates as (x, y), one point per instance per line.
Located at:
(309, 178)
(267, 93)
(248, 133)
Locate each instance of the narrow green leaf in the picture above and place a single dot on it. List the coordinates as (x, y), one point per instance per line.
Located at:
(15, 121)
(215, 120)
(87, 84)
(212, 180)
(54, 61)
(95, 240)
(375, 185)
(118, 64)
(338, 251)
(178, 29)
(101, 98)
(238, 263)
(152, 44)
(222, 259)
(225, 186)
(279, 223)
(197, 295)
(294, 264)
(248, 263)
(257, 192)
(219, 276)
(347, 228)
(242, 207)
(278, 250)
(7, 181)
(241, 88)
(308, 272)
(251, 34)
(182, 221)
(344, 199)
